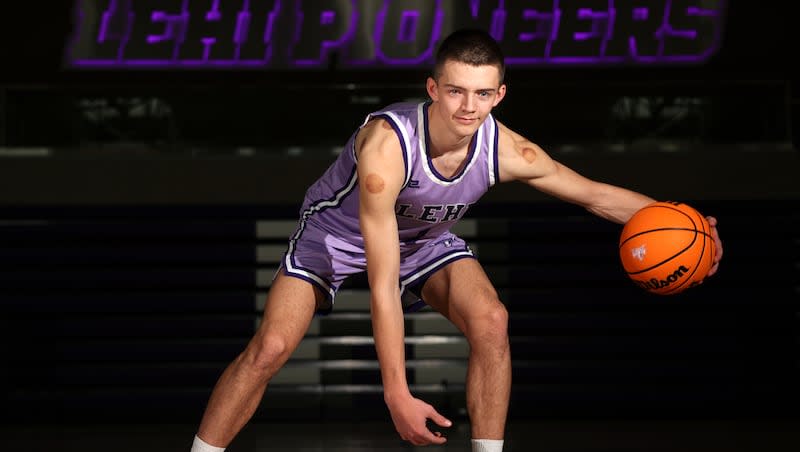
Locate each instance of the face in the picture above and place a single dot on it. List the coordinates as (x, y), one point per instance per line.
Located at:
(465, 95)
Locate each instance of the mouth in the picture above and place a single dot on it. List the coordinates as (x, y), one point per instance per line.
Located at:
(466, 121)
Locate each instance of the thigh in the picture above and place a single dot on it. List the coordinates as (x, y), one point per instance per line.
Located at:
(289, 308)
(461, 291)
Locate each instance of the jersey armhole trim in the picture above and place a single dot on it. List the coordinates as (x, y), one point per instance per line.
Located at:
(494, 167)
(402, 135)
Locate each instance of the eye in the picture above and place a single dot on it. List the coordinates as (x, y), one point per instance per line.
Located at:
(483, 93)
(453, 91)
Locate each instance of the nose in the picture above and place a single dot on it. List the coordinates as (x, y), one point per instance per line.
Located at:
(468, 104)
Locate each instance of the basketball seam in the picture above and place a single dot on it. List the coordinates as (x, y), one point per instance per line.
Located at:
(661, 206)
(694, 239)
(662, 229)
(680, 286)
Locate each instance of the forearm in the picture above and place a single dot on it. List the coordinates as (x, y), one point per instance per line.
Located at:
(381, 176)
(607, 201)
(388, 331)
(616, 204)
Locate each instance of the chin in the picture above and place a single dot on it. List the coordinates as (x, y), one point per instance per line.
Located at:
(465, 130)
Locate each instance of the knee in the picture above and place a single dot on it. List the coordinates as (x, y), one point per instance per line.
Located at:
(266, 355)
(490, 327)
(497, 319)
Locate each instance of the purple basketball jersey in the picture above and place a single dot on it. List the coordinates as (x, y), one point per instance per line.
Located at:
(427, 206)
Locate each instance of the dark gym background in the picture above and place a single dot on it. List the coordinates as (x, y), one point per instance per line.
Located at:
(142, 214)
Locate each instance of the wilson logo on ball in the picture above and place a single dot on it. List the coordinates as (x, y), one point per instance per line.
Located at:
(654, 283)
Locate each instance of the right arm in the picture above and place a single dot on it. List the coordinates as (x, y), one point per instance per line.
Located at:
(380, 178)
(381, 174)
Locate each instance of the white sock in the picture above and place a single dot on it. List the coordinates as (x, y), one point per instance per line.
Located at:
(487, 445)
(201, 446)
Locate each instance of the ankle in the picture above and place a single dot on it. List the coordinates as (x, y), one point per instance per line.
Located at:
(487, 445)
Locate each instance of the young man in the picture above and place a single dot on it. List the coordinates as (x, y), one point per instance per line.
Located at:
(387, 205)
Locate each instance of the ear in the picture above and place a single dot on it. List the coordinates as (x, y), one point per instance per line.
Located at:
(431, 86)
(501, 93)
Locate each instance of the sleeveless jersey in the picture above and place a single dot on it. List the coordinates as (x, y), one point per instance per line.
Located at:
(428, 204)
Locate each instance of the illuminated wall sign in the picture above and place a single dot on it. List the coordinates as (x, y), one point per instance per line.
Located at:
(353, 34)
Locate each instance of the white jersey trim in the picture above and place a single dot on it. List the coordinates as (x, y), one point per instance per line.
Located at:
(423, 154)
(405, 282)
(316, 207)
(398, 126)
(491, 156)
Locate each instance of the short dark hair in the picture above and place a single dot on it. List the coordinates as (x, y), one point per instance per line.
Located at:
(471, 46)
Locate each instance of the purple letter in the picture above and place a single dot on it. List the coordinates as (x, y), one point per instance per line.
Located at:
(156, 28)
(321, 25)
(406, 31)
(694, 29)
(529, 27)
(101, 31)
(637, 25)
(213, 31)
(582, 30)
(484, 14)
(257, 41)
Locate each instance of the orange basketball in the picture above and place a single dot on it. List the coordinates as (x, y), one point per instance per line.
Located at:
(666, 247)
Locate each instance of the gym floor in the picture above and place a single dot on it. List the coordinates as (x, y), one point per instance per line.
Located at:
(528, 436)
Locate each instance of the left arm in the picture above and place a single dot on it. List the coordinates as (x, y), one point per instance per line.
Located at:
(522, 160)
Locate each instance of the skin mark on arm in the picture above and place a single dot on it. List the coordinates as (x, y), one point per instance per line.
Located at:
(529, 154)
(375, 183)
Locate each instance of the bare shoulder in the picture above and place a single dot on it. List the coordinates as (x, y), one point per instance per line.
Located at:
(380, 157)
(512, 144)
(377, 137)
(519, 157)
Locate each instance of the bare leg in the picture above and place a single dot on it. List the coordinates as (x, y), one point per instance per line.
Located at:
(462, 292)
(288, 312)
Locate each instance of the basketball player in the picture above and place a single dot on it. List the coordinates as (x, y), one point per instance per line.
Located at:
(386, 205)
